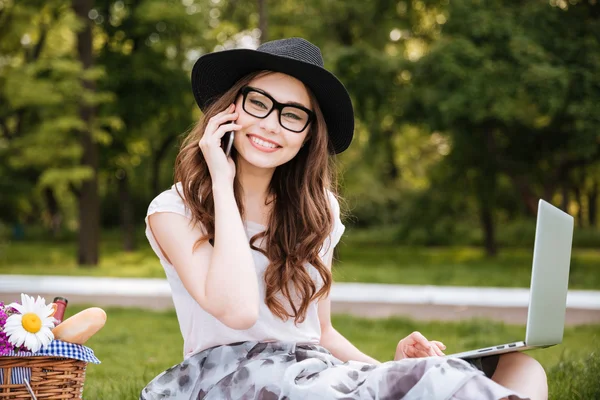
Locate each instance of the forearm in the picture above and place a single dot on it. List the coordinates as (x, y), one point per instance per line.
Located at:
(342, 349)
(231, 282)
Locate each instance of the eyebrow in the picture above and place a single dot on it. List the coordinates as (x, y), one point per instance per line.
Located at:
(289, 103)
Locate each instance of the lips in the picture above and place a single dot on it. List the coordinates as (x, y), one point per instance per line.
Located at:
(260, 146)
(251, 135)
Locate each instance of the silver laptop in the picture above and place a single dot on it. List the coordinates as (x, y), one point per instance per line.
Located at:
(549, 285)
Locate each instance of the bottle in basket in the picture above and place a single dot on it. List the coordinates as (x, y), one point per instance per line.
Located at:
(61, 306)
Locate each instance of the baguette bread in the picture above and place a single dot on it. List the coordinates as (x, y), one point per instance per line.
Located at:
(81, 326)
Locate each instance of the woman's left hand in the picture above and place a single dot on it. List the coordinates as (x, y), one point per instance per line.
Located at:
(416, 345)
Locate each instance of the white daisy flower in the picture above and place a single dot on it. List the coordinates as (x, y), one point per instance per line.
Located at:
(33, 325)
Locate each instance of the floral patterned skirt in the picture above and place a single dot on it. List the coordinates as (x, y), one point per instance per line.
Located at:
(282, 370)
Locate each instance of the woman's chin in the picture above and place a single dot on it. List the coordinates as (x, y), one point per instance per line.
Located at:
(264, 161)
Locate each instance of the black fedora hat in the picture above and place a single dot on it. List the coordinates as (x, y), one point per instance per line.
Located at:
(214, 73)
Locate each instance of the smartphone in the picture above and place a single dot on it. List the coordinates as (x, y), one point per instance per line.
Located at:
(227, 143)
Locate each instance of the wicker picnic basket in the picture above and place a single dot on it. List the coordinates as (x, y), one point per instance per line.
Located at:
(51, 377)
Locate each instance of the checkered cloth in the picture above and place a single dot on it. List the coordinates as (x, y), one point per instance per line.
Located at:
(56, 348)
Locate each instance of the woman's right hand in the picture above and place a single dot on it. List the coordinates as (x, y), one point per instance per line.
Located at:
(416, 345)
(221, 168)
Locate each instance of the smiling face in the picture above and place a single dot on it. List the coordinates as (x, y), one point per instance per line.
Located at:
(263, 142)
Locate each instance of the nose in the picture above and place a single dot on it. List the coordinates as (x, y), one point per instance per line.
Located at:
(271, 122)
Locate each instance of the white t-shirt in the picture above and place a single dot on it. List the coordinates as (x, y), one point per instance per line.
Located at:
(200, 330)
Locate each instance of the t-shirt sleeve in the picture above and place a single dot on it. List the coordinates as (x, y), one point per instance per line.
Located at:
(167, 201)
(338, 226)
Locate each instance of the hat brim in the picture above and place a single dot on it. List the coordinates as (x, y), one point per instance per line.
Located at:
(214, 73)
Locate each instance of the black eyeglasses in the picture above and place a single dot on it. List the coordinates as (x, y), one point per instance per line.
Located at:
(259, 104)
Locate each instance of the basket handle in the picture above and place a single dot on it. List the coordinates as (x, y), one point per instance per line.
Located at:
(29, 389)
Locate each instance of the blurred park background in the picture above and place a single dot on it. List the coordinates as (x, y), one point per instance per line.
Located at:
(467, 112)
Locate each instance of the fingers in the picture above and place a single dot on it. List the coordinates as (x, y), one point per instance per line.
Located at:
(223, 129)
(219, 119)
(217, 127)
(441, 346)
(417, 345)
(419, 339)
(415, 352)
(225, 121)
(437, 349)
(422, 343)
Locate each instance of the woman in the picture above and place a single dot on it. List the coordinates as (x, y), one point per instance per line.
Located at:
(247, 241)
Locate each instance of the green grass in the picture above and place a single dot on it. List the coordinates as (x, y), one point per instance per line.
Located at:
(136, 345)
(454, 266)
(60, 258)
(363, 256)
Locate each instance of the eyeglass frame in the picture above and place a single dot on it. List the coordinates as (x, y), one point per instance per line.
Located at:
(276, 106)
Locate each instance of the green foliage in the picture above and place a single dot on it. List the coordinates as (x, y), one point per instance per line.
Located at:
(463, 108)
(41, 89)
(506, 96)
(446, 231)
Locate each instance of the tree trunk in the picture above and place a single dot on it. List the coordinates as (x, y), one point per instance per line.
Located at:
(593, 205)
(486, 192)
(54, 211)
(527, 195)
(486, 195)
(381, 153)
(565, 197)
(157, 157)
(577, 192)
(548, 191)
(393, 173)
(487, 223)
(127, 228)
(263, 21)
(89, 200)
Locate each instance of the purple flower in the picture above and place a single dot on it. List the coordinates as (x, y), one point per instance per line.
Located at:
(5, 346)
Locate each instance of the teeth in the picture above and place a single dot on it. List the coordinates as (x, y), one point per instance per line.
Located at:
(262, 142)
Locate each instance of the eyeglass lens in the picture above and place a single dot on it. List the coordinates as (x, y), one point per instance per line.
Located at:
(259, 105)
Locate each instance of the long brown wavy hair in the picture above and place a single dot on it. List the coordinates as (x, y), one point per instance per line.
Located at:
(299, 222)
